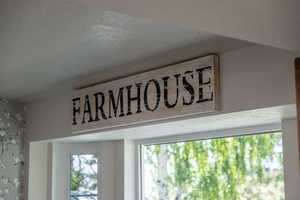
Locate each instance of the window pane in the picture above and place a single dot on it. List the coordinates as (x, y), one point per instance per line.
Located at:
(84, 172)
(240, 168)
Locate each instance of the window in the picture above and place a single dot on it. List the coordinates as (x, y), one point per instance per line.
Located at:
(84, 177)
(239, 168)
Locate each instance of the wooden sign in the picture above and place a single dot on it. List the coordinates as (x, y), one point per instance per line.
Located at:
(178, 90)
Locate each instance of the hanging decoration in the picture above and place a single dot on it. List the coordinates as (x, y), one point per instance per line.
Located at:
(180, 90)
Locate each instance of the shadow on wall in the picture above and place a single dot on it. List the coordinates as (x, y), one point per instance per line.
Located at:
(12, 126)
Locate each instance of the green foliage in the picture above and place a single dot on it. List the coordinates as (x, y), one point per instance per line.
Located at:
(76, 179)
(234, 168)
(83, 173)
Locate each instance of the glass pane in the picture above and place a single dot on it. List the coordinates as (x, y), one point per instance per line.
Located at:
(239, 168)
(84, 173)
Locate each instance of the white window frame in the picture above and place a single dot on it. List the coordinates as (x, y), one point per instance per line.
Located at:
(80, 149)
(253, 130)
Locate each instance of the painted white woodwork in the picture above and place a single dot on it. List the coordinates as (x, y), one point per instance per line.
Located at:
(182, 89)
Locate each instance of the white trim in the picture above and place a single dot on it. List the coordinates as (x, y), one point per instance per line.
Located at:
(138, 164)
(212, 134)
(64, 153)
(291, 159)
(194, 136)
(50, 171)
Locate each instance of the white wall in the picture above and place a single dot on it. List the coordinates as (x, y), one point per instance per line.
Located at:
(291, 159)
(251, 78)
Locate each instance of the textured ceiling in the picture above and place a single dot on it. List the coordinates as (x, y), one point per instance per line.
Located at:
(45, 44)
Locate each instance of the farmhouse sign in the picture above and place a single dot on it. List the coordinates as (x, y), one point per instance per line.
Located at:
(178, 90)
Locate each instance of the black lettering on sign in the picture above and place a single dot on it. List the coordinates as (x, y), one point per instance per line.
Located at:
(137, 98)
(203, 84)
(188, 87)
(113, 105)
(157, 98)
(76, 110)
(99, 106)
(87, 110)
(166, 91)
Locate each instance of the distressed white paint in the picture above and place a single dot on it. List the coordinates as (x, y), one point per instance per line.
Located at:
(113, 104)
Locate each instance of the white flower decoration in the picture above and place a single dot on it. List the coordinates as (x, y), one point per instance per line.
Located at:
(16, 182)
(2, 133)
(13, 141)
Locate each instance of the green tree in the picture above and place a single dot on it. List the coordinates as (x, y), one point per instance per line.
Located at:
(234, 168)
(83, 173)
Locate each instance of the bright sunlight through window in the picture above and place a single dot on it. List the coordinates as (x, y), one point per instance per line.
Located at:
(84, 173)
(233, 168)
